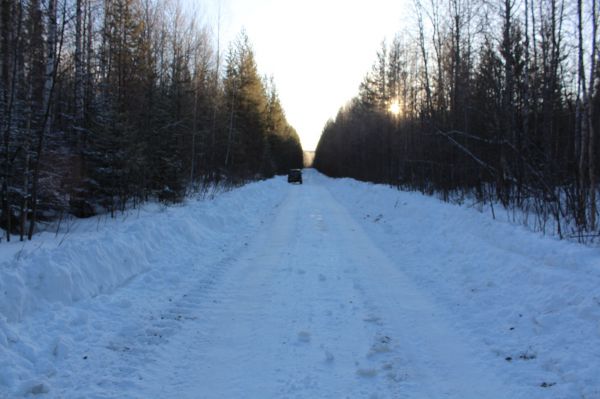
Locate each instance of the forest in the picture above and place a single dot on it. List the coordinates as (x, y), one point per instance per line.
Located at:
(106, 104)
(495, 102)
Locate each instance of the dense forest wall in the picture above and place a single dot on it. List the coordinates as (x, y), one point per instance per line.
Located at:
(107, 103)
(495, 100)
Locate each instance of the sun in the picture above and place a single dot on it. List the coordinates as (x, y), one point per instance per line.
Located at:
(395, 108)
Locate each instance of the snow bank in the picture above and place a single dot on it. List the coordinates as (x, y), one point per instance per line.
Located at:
(103, 254)
(534, 301)
(48, 286)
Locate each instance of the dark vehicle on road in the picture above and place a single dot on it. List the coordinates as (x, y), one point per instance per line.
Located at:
(295, 176)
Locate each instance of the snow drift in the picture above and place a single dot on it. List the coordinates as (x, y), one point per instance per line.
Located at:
(533, 300)
(102, 254)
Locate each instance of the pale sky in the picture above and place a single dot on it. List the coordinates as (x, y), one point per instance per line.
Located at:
(318, 51)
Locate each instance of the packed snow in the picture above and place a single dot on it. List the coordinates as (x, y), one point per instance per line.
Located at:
(330, 289)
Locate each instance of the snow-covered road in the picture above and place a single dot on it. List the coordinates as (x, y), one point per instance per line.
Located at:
(318, 294)
(313, 309)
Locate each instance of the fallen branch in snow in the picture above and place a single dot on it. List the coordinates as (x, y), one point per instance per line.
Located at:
(466, 151)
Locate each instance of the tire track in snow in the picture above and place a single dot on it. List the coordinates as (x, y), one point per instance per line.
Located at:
(309, 308)
(313, 309)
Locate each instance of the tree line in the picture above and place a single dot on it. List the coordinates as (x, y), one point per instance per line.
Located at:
(495, 100)
(108, 103)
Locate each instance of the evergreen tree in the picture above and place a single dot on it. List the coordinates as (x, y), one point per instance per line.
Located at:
(104, 104)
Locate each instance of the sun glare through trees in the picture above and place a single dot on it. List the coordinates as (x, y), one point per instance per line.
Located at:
(497, 100)
(395, 108)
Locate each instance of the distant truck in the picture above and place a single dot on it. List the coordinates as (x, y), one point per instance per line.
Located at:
(295, 176)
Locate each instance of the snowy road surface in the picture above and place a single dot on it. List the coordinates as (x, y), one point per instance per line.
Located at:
(321, 298)
(313, 309)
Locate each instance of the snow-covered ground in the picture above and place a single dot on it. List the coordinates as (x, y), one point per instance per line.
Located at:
(331, 289)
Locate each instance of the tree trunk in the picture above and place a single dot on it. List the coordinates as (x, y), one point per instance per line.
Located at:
(79, 67)
(51, 66)
(24, 203)
(422, 47)
(9, 82)
(590, 123)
